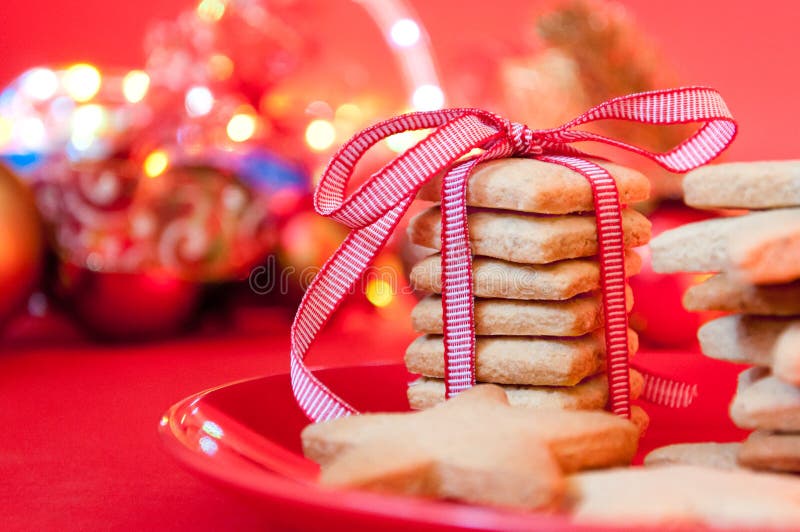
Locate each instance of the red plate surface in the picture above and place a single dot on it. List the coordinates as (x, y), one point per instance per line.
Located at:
(245, 436)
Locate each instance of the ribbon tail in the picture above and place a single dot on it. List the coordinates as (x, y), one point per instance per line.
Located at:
(322, 298)
(664, 391)
(457, 301)
(458, 304)
(611, 255)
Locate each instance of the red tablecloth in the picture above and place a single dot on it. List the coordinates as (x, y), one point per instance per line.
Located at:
(80, 449)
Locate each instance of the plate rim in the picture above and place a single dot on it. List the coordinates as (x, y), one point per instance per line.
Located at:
(354, 503)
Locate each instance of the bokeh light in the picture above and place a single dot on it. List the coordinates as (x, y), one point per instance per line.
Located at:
(379, 292)
(320, 135)
(402, 141)
(241, 127)
(199, 101)
(211, 10)
(40, 83)
(88, 121)
(405, 32)
(349, 113)
(428, 98)
(6, 127)
(220, 67)
(31, 133)
(156, 163)
(90, 117)
(135, 85)
(82, 82)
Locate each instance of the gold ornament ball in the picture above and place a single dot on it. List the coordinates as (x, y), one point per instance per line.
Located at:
(21, 243)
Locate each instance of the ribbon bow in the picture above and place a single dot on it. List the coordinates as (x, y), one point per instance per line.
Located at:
(373, 211)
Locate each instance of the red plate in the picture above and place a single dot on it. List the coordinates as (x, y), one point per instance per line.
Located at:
(245, 436)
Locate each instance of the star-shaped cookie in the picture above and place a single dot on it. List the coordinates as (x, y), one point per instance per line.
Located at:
(473, 448)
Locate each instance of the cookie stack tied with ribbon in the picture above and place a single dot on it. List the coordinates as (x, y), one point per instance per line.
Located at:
(461, 140)
(755, 258)
(536, 280)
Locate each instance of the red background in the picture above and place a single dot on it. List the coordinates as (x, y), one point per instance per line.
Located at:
(746, 49)
(79, 447)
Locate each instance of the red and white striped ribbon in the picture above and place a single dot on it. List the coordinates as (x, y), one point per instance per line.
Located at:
(667, 392)
(373, 211)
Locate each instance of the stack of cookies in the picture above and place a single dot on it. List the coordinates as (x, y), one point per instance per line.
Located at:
(538, 306)
(755, 258)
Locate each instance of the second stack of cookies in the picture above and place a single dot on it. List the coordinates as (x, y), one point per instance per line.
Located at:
(756, 261)
(537, 285)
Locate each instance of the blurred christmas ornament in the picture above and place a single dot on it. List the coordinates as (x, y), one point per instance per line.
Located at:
(245, 71)
(77, 112)
(197, 165)
(227, 77)
(129, 306)
(658, 314)
(305, 242)
(198, 224)
(21, 244)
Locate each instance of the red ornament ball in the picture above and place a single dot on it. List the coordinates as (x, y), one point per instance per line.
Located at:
(129, 306)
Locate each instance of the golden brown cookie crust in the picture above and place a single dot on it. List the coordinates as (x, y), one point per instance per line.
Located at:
(724, 293)
(573, 317)
(529, 185)
(771, 451)
(706, 454)
(590, 394)
(764, 402)
(744, 185)
(495, 278)
(528, 238)
(755, 248)
(529, 360)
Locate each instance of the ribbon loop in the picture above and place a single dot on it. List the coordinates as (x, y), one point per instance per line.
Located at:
(456, 134)
(662, 107)
(376, 207)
